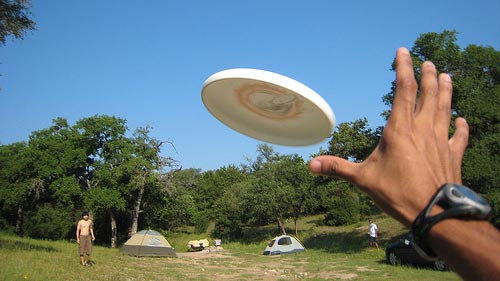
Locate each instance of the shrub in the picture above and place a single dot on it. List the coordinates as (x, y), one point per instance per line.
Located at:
(493, 198)
(200, 222)
(5, 226)
(344, 211)
(224, 228)
(47, 223)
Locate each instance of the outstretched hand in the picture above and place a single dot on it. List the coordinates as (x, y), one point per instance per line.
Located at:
(415, 155)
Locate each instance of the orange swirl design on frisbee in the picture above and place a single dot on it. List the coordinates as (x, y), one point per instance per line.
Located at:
(270, 101)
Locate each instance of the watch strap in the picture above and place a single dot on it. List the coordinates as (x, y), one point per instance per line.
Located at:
(455, 204)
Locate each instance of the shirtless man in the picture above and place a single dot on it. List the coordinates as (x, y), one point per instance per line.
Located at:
(84, 234)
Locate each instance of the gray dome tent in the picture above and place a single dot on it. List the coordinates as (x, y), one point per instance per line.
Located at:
(148, 243)
(284, 244)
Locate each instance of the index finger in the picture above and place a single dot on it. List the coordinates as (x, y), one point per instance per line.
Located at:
(406, 87)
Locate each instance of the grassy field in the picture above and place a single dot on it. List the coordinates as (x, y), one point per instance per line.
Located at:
(333, 253)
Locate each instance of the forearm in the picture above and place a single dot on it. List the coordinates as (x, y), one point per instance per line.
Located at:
(470, 247)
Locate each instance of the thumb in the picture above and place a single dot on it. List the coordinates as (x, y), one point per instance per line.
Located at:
(327, 165)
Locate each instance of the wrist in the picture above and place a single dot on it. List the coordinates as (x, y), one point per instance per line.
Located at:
(453, 201)
(473, 242)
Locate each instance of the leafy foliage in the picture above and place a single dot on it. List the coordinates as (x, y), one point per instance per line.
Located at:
(344, 210)
(47, 222)
(175, 210)
(493, 198)
(230, 210)
(476, 97)
(354, 140)
(89, 166)
(15, 19)
(201, 222)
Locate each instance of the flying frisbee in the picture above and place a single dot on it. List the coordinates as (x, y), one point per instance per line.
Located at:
(268, 106)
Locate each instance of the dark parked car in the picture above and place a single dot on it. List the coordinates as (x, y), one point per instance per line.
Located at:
(402, 252)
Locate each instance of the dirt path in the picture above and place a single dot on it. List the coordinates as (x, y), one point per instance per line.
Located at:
(222, 265)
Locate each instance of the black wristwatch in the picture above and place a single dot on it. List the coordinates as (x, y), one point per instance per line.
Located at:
(457, 201)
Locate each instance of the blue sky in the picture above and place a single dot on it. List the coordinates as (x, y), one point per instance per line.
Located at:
(146, 61)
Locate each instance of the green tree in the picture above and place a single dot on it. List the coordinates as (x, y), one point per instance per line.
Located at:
(265, 154)
(279, 188)
(271, 198)
(174, 205)
(90, 166)
(40, 174)
(19, 185)
(172, 209)
(440, 48)
(477, 92)
(144, 165)
(212, 184)
(342, 201)
(107, 149)
(106, 198)
(493, 198)
(353, 140)
(476, 97)
(15, 19)
(294, 172)
(58, 158)
(48, 222)
(342, 204)
(231, 210)
(50, 161)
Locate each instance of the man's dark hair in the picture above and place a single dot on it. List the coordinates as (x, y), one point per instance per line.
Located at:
(85, 214)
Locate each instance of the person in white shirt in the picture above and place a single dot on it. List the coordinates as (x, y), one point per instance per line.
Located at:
(372, 240)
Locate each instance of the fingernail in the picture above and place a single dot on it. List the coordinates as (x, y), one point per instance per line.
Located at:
(403, 50)
(446, 77)
(315, 166)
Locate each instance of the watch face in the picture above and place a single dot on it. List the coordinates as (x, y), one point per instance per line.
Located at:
(461, 197)
(462, 191)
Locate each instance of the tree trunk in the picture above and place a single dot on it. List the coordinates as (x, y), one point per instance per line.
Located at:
(19, 220)
(282, 226)
(113, 229)
(295, 224)
(137, 208)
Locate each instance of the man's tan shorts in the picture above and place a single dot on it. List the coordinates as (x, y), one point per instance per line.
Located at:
(85, 246)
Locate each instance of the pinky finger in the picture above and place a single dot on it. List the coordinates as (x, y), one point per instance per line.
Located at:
(458, 143)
